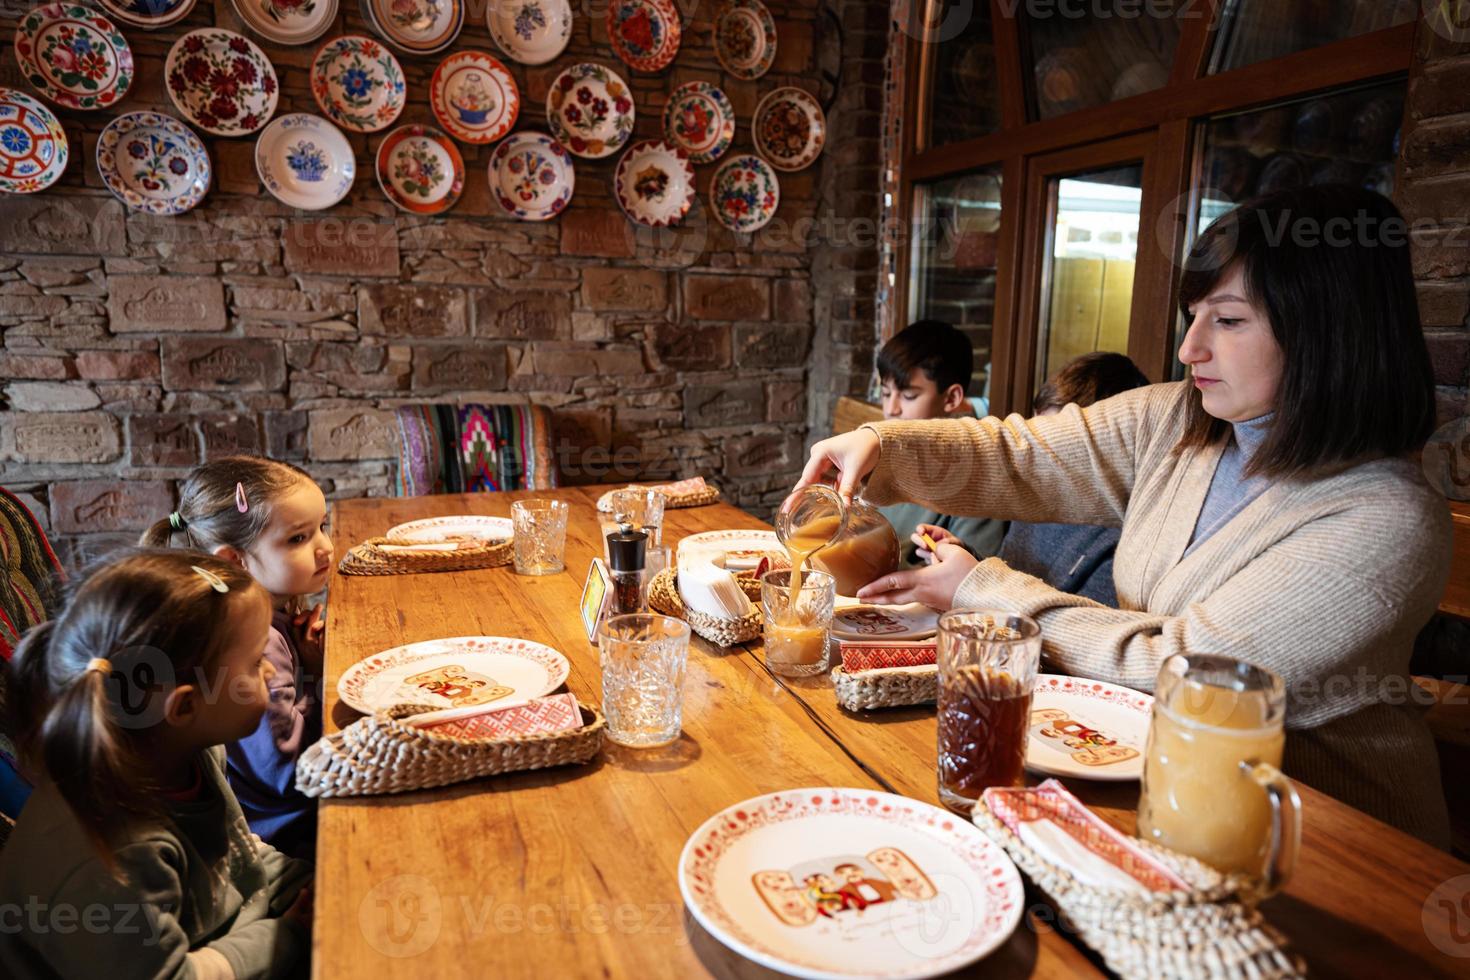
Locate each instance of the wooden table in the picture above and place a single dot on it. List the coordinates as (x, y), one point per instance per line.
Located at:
(571, 872)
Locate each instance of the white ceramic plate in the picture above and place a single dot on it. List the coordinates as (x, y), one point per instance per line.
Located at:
(644, 33)
(654, 183)
(194, 64)
(920, 891)
(532, 176)
(699, 119)
(153, 163)
(33, 146)
(148, 14)
(1087, 728)
(745, 193)
(590, 110)
(74, 56)
(456, 672)
(288, 21)
(420, 169)
(532, 32)
(461, 527)
(474, 97)
(416, 26)
(789, 129)
(358, 83)
(305, 161)
(736, 550)
(854, 620)
(745, 38)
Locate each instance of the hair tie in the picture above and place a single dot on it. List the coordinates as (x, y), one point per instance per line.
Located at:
(241, 504)
(176, 521)
(99, 664)
(215, 582)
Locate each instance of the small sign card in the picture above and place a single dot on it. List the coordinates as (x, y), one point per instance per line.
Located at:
(596, 594)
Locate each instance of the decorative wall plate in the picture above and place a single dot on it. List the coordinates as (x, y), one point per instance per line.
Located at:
(644, 33)
(305, 161)
(474, 97)
(416, 26)
(532, 177)
(153, 163)
(358, 83)
(699, 119)
(1087, 728)
(590, 110)
(654, 183)
(74, 56)
(455, 672)
(827, 882)
(221, 82)
(459, 527)
(420, 169)
(744, 193)
(532, 32)
(789, 129)
(745, 38)
(148, 14)
(288, 21)
(33, 146)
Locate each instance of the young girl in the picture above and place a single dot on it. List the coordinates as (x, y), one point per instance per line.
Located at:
(268, 518)
(132, 853)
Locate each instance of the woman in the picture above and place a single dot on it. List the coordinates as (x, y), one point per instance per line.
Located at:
(1268, 508)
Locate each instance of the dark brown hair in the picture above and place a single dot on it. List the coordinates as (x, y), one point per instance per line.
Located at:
(156, 621)
(1087, 379)
(943, 353)
(208, 516)
(1330, 267)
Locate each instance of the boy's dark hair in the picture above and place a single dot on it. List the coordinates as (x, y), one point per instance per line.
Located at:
(1087, 379)
(1330, 266)
(943, 353)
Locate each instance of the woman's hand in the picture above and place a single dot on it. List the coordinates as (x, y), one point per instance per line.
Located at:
(851, 456)
(933, 585)
(300, 913)
(310, 629)
(937, 535)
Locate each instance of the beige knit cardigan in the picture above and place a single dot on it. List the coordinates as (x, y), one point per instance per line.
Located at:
(1324, 581)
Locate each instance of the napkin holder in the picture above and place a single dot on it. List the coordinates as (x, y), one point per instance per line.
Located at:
(383, 754)
(370, 558)
(663, 596)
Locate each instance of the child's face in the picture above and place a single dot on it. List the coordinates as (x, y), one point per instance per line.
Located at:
(293, 555)
(918, 398)
(237, 694)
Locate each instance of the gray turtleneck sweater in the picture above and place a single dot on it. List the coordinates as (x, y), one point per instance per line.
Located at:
(1230, 490)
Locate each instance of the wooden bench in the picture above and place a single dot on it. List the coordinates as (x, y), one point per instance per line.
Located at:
(1456, 599)
(851, 414)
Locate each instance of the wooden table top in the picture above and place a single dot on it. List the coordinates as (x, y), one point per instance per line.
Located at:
(572, 871)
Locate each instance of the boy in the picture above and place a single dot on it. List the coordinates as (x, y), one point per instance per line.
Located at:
(925, 370)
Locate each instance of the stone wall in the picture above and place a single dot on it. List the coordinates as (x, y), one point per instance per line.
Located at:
(132, 347)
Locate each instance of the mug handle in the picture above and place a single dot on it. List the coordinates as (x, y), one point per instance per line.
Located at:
(1286, 824)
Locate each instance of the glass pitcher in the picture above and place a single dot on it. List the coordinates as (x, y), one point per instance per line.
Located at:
(854, 543)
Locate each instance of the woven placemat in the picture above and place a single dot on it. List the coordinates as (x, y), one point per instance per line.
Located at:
(369, 558)
(382, 754)
(709, 495)
(885, 687)
(1205, 931)
(663, 596)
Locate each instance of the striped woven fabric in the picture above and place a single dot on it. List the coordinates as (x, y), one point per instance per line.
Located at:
(473, 448)
(30, 575)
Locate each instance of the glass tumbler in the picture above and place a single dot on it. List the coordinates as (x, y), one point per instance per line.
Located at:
(540, 536)
(797, 626)
(643, 658)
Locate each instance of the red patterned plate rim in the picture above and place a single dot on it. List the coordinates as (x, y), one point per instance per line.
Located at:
(413, 530)
(502, 79)
(970, 849)
(668, 13)
(351, 685)
(120, 56)
(1054, 691)
(652, 148)
(385, 154)
(44, 127)
(1097, 690)
(724, 133)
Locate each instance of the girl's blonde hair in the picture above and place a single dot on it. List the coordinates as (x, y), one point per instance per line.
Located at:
(209, 514)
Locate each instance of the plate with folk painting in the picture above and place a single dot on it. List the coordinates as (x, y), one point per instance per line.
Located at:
(148, 14)
(420, 169)
(221, 82)
(454, 672)
(33, 146)
(744, 193)
(1086, 728)
(590, 110)
(532, 32)
(699, 119)
(745, 38)
(74, 56)
(789, 129)
(474, 97)
(532, 176)
(305, 162)
(654, 183)
(358, 83)
(288, 22)
(644, 33)
(153, 163)
(416, 26)
(466, 528)
(828, 882)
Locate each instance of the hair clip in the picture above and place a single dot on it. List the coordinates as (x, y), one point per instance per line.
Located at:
(176, 521)
(100, 664)
(241, 504)
(215, 582)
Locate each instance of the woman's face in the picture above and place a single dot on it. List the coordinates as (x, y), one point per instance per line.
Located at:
(1231, 352)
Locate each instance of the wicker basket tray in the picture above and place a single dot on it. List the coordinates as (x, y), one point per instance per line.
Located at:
(663, 596)
(382, 754)
(1203, 932)
(370, 559)
(886, 687)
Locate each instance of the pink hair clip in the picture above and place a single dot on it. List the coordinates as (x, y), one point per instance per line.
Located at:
(241, 504)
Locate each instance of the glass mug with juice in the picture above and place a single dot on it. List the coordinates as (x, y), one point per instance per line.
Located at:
(1212, 783)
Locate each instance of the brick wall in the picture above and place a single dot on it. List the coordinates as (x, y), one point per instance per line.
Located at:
(131, 347)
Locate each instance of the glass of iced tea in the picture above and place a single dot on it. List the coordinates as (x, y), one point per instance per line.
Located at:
(797, 626)
(987, 669)
(1212, 782)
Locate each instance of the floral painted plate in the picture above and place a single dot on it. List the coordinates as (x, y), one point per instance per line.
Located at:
(358, 83)
(745, 38)
(1087, 728)
(460, 527)
(305, 161)
(74, 56)
(655, 183)
(153, 163)
(830, 882)
(744, 193)
(420, 169)
(789, 129)
(532, 32)
(474, 97)
(148, 14)
(700, 120)
(33, 146)
(456, 672)
(590, 110)
(288, 21)
(531, 175)
(221, 82)
(644, 33)
(417, 26)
